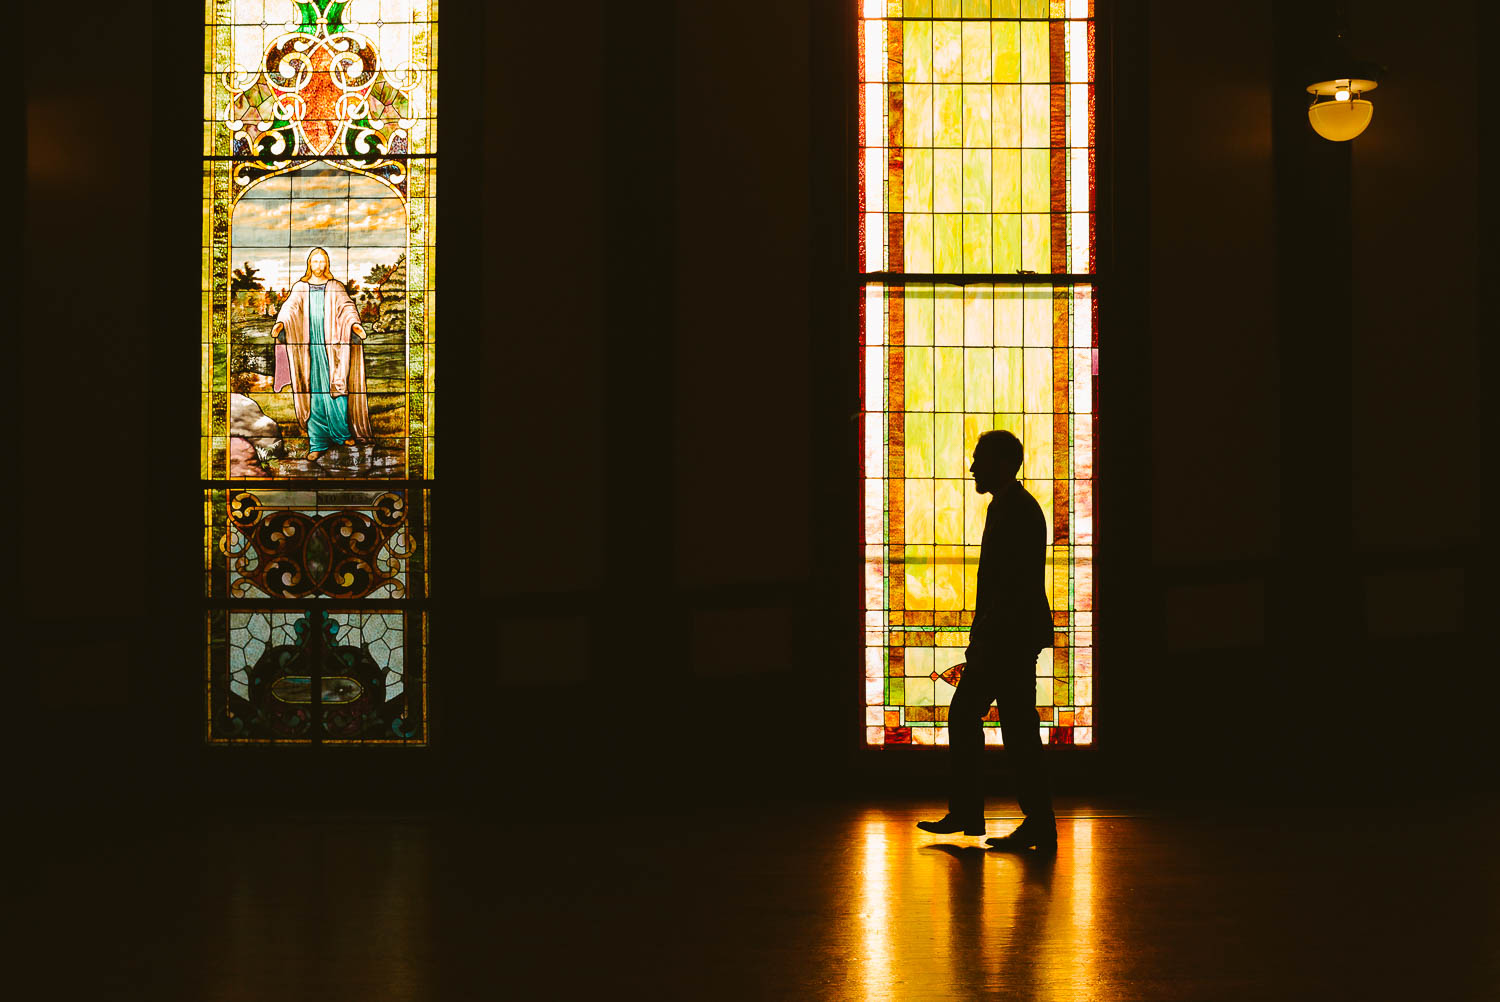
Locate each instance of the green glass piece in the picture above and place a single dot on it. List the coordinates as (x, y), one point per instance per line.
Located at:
(310, 12)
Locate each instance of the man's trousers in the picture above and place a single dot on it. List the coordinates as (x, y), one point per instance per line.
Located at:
(1008, 681)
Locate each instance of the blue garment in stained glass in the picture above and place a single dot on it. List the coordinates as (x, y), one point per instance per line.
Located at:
(328, 423)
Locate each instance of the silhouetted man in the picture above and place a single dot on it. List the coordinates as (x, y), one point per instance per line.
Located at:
(1012, 623)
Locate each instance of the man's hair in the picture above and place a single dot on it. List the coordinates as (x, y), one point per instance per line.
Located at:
(1005, 449)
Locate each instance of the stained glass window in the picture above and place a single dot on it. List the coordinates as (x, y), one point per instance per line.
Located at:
(977, 311)
(319, 212)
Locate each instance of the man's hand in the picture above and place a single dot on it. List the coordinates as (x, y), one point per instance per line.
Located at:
(278, 329)
(358, 330)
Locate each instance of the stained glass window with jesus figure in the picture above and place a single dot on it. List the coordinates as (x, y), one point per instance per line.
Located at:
(319, 324)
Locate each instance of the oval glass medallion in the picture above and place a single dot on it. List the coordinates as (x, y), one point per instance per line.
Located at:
(298, 689)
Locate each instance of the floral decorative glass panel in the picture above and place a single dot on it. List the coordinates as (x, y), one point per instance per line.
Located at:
(976, 243)
(341, 544)
(268, 665)
(319, 199)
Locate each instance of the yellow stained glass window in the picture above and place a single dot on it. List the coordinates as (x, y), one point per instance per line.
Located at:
(976, 244)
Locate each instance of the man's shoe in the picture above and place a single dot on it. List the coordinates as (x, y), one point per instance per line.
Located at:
(950, 825)
(1038, 835)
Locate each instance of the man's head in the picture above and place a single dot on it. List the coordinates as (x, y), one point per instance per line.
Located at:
(317, 264)
(997, 460)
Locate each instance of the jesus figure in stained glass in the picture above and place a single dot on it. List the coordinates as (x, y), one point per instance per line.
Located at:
(320, 355)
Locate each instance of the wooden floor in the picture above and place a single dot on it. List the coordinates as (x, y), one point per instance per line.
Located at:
(782, 902)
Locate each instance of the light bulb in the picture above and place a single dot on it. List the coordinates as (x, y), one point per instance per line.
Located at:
(1341, 95)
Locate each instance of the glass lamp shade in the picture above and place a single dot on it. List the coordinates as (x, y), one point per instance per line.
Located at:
(1339, 111)
(1340, 121)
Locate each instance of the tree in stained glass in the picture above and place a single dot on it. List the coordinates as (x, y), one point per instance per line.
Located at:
(977, 251)
(319, 174)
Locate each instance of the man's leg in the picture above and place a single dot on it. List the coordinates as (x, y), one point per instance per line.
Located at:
(971, 701)
(1020, 727)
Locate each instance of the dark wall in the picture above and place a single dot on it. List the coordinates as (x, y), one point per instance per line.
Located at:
(1314, 407)
(647, 550)
(540, 343)
(81, 335)
(741, 311)
(647, 377)
(1212, 305)
(1415, 196)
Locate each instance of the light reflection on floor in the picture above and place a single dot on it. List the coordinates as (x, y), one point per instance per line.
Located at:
(946, 912)
(788, 901)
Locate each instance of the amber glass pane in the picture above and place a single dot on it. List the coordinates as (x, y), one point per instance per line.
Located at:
(977, 160)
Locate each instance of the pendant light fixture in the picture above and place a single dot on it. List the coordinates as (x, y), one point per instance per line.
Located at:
(1339, 109)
